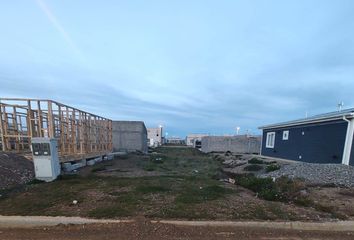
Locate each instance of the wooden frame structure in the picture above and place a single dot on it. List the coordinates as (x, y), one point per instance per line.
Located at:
(80, 134)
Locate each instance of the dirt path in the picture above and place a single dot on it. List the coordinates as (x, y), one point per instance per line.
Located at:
(147, 230)
(43, 221)
(70, 228)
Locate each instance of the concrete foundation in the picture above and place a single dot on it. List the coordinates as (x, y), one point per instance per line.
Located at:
(74, 165)
(129, 136)
(235, 144)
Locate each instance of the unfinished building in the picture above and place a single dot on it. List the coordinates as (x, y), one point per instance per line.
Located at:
(129, 136)
(155, 137)
(235, 144)
(79, 134)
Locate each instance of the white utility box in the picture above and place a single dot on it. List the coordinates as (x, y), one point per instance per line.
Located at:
(45, 158)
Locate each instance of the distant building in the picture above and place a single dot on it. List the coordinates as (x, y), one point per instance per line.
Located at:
(194, 140)
(129, 136)
(155, 137)
(175, 140)
(235, 144)
(324, 138)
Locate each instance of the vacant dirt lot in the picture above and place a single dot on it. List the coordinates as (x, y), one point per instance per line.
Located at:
(176, 183)
(146, 230)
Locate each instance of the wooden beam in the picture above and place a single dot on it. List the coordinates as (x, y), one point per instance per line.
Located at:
(3, 146)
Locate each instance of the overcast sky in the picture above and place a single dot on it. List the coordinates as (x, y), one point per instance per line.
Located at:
(193, 66)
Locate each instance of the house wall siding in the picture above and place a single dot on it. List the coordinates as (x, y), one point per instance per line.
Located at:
(321, 142)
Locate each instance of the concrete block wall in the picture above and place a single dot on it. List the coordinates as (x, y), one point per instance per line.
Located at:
(129, 136)
(235, 144)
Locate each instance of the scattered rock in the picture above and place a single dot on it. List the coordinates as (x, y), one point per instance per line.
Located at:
(14, 170)
(232, 181)
(336, 174)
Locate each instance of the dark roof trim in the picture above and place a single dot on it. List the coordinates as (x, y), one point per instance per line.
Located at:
(315, 119)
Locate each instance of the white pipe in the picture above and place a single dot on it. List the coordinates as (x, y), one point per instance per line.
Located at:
(348, 140)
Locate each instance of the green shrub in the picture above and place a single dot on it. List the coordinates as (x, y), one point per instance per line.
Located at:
(264, 187)
(272, 167)
(255, 161)
(253, 168)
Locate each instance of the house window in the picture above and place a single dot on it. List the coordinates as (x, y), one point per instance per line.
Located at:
(270, 140)
(286, 135)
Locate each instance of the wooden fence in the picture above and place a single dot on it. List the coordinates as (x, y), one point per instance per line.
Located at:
(80, 134)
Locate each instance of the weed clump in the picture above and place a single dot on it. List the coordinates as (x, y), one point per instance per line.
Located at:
(255, 161)
(272, 167)
(253, 168)
(283, 189)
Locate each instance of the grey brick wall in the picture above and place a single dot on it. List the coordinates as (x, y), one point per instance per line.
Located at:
(236, 144)
(129, 136)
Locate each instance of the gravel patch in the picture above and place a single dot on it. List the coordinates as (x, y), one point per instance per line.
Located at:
(337, 174)
(14, 170)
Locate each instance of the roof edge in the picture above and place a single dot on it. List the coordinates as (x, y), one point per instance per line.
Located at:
(306, 121)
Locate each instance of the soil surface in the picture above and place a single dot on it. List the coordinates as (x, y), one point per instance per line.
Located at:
(14, 170)
(178, 183)
(147, 230)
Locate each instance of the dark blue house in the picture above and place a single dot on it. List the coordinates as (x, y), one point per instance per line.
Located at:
(324, 138)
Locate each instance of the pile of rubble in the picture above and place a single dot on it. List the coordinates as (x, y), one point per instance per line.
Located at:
(14, 170)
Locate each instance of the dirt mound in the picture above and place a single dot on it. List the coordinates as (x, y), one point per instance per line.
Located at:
(14, 170)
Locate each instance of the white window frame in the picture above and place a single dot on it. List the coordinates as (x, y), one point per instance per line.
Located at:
(270, 140)
(286, 135)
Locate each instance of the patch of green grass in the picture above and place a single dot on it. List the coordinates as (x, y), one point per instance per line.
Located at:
(101, 166)
(253, 168)
(151, 189)
(303, 201)
(35, 181)
(197, 195)
(98, 169)
(112, 196)
(282, 189)
(264, 187)
(255, 161)
(272, 167)
(110, 212)
(149, 168)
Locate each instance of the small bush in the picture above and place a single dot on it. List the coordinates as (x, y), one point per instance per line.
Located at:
(264, 187)
(253, 168)
(255, 161)
(272, 167)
